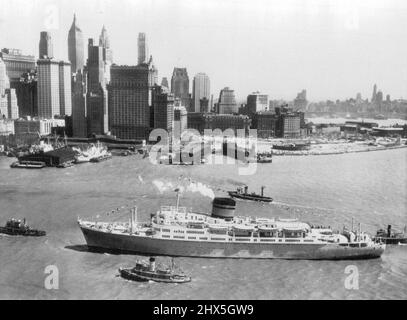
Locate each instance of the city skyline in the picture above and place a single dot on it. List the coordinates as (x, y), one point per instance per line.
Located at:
(333, 49)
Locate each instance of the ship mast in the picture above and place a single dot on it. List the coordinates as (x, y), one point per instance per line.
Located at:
(177, 191)
(133, 219)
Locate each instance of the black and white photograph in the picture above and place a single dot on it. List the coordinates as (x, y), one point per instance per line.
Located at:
(172, 150)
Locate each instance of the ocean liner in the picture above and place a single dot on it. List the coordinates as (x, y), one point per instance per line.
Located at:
(175, 231)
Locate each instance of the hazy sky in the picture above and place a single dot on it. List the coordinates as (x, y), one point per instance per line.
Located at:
(334, 49)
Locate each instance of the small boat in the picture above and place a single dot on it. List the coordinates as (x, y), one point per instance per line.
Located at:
(66, 164)
(241, 193)
(28, 164)
(389, 237)
(144, 271)
(20, 228)
(101, 158)
(300, 146)
(264, 158)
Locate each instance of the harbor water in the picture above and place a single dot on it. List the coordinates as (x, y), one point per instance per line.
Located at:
(323, 190)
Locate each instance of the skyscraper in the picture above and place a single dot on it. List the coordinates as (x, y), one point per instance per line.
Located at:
(152, 73)
(96, 98)
(374, 93)
(142, 48)
(46, 46)
(65, 91)
(300, 102)
(164, 83)
(48, 88)
(163, 104)
(180, 86)
(79, 125)
(180, 121)
(4, 80)
(75, 47)
(104, 42)
(227, 102)
(8, 98)
(17, 66)
(379, 101)
(129, 111)
(200, 89)
(257, 102)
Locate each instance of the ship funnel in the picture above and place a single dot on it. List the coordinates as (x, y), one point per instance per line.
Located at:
(389, 230)
(152, 264)
(223, 208)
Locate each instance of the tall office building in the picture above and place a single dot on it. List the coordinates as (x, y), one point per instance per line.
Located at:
(227, 102)
(4, 80)
(65, 91)
(8, 98)
(257, 102)
(96, 98)
(164, 83)
(152, 73)
(48, 88)
(79, 126)
(163, 104)
(180, 86)
(374, 94)
(200, 89)
(54, 88)
(104, 42)
(129, 110)
(379, 101)
(46, 47)
(301, 102)
(142, 48)
(19, 66)
(75, 47)
(180, 121)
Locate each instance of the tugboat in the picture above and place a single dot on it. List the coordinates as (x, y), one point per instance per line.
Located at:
(264, 158)
(101, 158)
(20, 228)
(146, 272)
(241, 193)
(388, 237)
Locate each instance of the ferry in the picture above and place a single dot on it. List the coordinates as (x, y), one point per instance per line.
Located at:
(176, 231)
(28, 164)
(391, 237)
(242, 193)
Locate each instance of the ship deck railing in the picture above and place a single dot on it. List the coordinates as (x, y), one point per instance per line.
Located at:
(173, 210)
(167, 234)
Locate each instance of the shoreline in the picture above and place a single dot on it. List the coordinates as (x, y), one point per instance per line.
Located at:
(323, 153)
